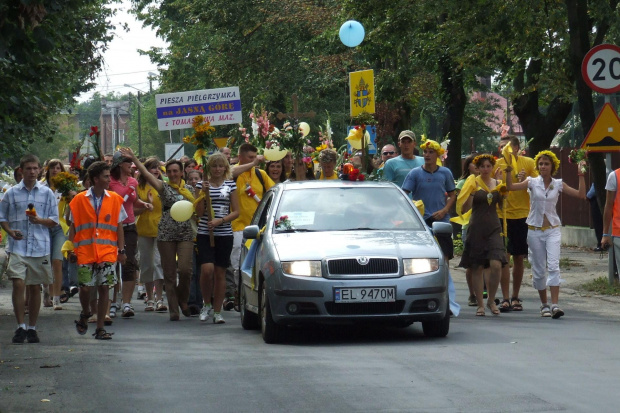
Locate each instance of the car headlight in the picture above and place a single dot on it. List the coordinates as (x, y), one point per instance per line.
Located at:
(303, 268)
(413, 266)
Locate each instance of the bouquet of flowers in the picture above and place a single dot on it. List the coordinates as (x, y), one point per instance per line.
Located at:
(65, 182)
(579, 156)
(201, 138)
(261, 127)
(283, 223)
(290, 138)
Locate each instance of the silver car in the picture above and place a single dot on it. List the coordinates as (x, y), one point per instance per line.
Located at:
(339, 251)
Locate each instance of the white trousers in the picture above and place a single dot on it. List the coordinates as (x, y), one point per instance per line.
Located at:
(150, 261)
(544, 257)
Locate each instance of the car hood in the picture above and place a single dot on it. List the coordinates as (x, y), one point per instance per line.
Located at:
(328, 244)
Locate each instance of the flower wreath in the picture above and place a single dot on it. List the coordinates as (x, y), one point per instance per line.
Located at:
(430, 144)
(478, 159)
(550, 155)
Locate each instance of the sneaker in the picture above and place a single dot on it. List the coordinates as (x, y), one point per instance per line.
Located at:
(545, 311)
(218, 319)
(57, 305)
(113, 309)
(485, 294)
(141, 292)
(229, 303)
(73, 290)
(127, 311)
(32, 337)
(206, 313)
(557, 312)
(471, 301)
(20, 336)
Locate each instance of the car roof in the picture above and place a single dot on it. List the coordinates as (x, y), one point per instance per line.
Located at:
(313, 184)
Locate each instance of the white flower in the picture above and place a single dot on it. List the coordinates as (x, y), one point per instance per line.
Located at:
(254, 128)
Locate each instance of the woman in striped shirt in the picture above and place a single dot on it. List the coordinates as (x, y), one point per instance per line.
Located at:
(213, 261)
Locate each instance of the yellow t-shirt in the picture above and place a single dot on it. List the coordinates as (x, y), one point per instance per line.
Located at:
(247, 204)
(518, 202)
(334, 176)
(148, 221)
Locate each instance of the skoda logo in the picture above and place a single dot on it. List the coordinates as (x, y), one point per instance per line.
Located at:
(363, 260)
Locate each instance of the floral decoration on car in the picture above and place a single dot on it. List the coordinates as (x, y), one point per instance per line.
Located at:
(283, 223)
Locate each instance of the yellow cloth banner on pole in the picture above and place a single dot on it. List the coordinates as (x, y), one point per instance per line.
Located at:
(362, 92)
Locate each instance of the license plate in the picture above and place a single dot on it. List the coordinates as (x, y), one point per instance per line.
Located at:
(365, 295)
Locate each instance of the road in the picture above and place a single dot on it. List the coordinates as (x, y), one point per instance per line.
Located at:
(511, 363)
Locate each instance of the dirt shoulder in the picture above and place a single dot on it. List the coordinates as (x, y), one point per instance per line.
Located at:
(578, 266)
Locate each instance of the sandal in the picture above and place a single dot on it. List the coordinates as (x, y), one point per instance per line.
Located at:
(160, 307)
(101, 334)
(107, 321)
(150, 306)
(64, 298)
(480, 312)
(505, 306)
(515, 302)
(81, 325)
(493, 307)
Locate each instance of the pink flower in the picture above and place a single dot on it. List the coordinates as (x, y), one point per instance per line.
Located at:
(247, 139)
(307, 159)
(268, 144)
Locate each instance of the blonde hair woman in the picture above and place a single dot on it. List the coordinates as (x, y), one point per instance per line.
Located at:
(221, 189)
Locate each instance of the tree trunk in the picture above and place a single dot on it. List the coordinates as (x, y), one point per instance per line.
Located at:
(541, 127)
(579, 36)
(455, 100)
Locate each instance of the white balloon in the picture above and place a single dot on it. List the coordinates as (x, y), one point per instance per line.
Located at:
(304, 128)
(181, 211)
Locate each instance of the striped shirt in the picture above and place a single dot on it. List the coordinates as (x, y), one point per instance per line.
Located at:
(220, 201)
(36, 241)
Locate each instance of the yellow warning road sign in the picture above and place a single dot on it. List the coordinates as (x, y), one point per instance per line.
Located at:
(604, 136)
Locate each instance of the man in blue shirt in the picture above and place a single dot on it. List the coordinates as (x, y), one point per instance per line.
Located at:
(29, 243)
(396, 169)
(434, 185)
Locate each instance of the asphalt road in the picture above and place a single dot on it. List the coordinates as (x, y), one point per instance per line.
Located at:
(517, 362)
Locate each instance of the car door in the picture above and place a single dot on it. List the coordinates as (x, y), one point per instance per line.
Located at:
(248, 276)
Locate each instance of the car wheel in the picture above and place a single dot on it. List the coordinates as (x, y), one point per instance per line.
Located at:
(249, 320)
(438, 328)
(272, 332)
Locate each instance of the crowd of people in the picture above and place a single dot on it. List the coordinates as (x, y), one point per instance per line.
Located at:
(117, 229)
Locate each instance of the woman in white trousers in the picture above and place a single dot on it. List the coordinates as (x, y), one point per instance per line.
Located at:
(544, 236)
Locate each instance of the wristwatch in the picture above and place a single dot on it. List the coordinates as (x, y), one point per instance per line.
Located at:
(121, 251)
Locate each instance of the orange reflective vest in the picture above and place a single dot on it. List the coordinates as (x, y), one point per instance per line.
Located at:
(95, 239)
(615, 220)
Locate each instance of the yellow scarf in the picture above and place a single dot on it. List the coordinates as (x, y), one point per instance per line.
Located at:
(471, 185)
(183, 191)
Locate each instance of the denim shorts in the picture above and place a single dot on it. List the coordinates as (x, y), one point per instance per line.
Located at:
(57, 239)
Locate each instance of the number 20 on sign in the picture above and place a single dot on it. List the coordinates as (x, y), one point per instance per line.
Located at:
(601, 68)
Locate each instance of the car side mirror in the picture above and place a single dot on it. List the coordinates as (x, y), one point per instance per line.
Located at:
(439, 228)
(251, 232)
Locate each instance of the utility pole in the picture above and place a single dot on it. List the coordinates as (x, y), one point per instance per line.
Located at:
(139, 128)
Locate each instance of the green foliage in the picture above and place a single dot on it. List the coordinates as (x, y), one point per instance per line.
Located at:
(49, 51)
(601, 286)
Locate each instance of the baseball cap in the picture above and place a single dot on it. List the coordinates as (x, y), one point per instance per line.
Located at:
(406, 134)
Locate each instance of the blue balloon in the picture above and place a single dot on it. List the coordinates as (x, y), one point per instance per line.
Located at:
(352, 33)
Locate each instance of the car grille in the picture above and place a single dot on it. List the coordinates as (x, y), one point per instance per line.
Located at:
(350, 266)
(364, 308)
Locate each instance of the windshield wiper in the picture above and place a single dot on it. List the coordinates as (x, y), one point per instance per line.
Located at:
(357, 229)
(286, 231)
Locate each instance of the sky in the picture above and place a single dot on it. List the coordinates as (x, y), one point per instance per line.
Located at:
(122, 62)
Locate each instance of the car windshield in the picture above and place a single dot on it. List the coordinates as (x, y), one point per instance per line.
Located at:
(345, 209)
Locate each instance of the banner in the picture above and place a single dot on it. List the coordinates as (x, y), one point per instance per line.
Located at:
(362, 92)
(219, 106)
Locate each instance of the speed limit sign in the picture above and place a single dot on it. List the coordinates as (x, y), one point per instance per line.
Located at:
(601, 68)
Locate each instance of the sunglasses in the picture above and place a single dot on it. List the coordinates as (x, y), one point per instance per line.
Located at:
(388, 153)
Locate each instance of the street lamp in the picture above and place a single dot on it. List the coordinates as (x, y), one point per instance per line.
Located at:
(139, 120)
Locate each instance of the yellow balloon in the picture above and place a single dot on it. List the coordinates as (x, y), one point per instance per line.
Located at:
(304, 128)
(181, 211)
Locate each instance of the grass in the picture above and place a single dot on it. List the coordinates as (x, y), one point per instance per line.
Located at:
(601, 286)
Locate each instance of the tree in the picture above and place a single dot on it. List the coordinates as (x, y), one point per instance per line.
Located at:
(49, 52)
